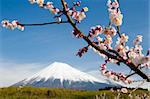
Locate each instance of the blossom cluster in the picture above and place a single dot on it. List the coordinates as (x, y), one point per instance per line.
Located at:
(120, 46)
(12, 25)
(98, 30)
(115, 76)
(39, 2)
(135, 53)
(95, 31)
(115, 14)
(110, 31)
(104, 39)
(77, 15)
(48, 5)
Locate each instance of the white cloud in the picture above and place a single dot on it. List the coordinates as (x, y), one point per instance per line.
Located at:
(11, 72)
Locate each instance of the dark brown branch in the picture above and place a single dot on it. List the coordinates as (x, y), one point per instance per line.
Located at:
(118, 1)
(113, 51)
(131, 65)
(130, 75)
(40, 24)
(118, 31)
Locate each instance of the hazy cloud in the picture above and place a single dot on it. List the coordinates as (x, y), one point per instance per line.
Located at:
(11, 73)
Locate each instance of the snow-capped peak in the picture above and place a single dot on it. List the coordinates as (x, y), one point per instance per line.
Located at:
(62, 75)
(63, 71)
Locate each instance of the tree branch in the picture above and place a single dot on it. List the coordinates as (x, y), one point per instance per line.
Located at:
(40, 24)
(131, 65)
(113, 51)
(118, 31)
(130, 75)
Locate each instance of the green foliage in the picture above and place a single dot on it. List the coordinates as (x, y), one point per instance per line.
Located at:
(57, 93)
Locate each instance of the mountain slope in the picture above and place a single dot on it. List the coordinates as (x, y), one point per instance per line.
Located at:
(61, 75)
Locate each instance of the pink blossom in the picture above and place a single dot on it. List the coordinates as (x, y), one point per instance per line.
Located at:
(21, 27)
(110, 31)
(95, 31)
(114, 13)
(40, 2)
(49, 5)
(5, 23)
(32, 1)
(137, 40)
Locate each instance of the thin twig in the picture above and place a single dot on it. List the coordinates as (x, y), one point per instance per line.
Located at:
(130, 75)
(118, 31)
(40, 24)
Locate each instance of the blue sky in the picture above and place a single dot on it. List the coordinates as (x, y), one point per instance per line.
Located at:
(33, 49)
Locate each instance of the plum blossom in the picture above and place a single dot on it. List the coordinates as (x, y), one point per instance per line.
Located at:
(138, 49)
(113, 5)
(77, 15)
(20, 27)
(136, 56)
(49, 5)
(78, 3)
(102, 46)
(99, 39)
(51, 8)
(95, 31)
(58, 19)
(132, 54)
(120, 46)
(54, 10)
(137, 40)
(114, 13)
(39, 2)
(5, 23)
(141, 60)
(123, 39)
(116, 19)
(111, 74)
(15, 23)
(32, 1)
(110, 31)
(85, 9)
(12, 25)
(108, 41)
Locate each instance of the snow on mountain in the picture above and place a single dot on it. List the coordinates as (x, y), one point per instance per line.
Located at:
(61, 75)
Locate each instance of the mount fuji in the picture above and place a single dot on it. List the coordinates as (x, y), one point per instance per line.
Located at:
(62, 75)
